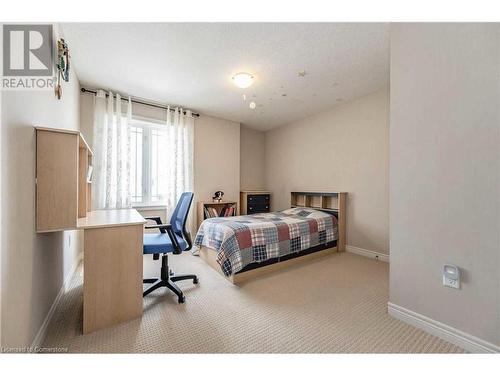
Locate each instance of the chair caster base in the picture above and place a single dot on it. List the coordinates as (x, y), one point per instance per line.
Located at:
(168, 279)
(169, 283)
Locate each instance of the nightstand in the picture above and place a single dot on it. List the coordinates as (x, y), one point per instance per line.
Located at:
(255, 202)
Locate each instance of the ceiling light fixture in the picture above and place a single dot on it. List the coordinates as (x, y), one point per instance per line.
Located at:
(243, 80)
(252, 105)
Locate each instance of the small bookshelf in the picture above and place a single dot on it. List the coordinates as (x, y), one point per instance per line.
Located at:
(62, 179)
(318, 200)
(210, 209)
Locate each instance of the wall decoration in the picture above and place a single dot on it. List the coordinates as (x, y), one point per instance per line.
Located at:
(63, 65)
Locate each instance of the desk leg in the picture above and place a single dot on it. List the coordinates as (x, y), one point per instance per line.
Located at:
(112, 278)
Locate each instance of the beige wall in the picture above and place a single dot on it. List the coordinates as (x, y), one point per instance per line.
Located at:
(445, 172)
(216, 158)
(1, 195)
(87, 117)
(216, 150)
(344, 149)
(252, 159)
(34, 266)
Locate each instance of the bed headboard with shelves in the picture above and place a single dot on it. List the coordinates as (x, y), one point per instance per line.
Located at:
(333, 203)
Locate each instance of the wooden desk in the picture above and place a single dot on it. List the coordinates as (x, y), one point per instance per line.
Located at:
(112, 279)
(112, 290)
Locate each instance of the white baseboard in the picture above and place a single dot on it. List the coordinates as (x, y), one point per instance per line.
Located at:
(42, 332)
(468, 342)
(367, 253)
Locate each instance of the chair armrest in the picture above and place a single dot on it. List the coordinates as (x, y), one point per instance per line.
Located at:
(167, 228)
(159, 226)
(156, 219)
(162, 227)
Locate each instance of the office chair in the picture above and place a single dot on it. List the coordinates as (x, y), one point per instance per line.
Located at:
(173, 238)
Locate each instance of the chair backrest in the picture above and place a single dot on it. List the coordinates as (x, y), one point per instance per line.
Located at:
(180, 214)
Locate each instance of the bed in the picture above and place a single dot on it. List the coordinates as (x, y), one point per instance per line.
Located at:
(244, 247)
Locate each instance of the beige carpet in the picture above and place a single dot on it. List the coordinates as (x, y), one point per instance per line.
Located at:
(337, 304)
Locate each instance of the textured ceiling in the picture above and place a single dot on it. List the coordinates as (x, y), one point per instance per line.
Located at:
(191, 64)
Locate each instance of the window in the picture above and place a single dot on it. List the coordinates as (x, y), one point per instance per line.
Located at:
(149, 163)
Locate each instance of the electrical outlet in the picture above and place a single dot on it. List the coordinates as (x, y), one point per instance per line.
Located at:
(450, 283)
(451, 276)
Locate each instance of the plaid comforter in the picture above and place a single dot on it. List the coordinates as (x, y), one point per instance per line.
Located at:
(243, 240)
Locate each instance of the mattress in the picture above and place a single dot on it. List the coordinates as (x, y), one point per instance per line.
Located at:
(244, 240)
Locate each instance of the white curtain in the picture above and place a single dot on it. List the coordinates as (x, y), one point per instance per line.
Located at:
(111, 146)
(179, 148)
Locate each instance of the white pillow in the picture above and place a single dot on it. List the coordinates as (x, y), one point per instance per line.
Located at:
(316, 214)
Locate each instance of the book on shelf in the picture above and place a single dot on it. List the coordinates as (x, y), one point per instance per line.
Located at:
(210, 212)
(229, 211)
(226, 211)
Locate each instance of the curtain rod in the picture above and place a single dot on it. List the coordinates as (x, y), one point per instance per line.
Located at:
(138, 101)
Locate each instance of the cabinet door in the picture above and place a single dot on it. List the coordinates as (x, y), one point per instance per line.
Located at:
(258, 199)
(258, 203)
(56, 180)
(258, 209)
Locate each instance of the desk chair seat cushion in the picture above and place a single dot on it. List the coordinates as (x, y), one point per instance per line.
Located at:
(159, 243)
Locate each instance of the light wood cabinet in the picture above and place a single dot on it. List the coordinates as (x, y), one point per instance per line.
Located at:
(112, 278)
(62, 192)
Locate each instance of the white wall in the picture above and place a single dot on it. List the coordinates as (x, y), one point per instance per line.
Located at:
(344, 149)
(444, 172)
(252, 159)
(33, 266)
